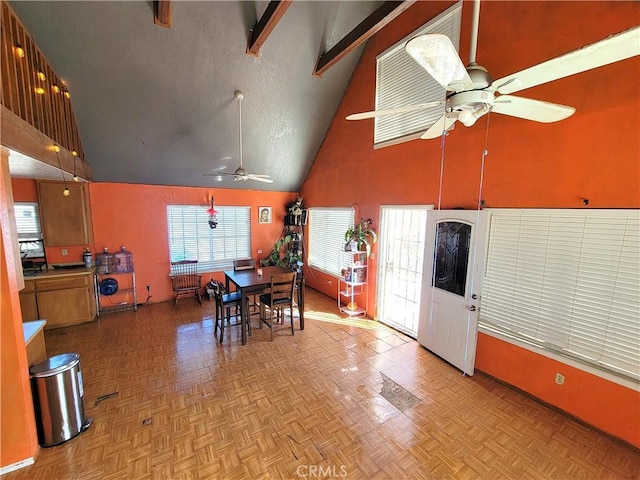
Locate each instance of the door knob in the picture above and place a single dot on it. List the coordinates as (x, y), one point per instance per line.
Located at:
(472, 308)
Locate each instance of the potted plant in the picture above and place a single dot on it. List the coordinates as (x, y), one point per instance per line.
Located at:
(361, 236)
(285, 253)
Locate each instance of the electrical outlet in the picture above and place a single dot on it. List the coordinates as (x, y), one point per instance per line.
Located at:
(559, 379)
(64, 252)
(259, 251)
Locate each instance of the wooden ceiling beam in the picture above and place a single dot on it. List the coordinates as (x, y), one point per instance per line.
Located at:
(270, 18)
(162, 13)
(386, 13)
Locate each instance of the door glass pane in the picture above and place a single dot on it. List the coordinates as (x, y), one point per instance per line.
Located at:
(452, 257)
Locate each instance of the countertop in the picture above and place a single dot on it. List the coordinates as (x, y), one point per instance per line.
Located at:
(31, 329)
(71, 272)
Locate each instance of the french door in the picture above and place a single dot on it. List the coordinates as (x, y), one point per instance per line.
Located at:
(401, 250)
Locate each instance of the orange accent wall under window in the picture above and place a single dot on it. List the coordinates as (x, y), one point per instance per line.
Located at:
(604, 404)
(593, 154)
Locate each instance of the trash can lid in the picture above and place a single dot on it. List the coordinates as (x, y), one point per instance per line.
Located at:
(55, 364)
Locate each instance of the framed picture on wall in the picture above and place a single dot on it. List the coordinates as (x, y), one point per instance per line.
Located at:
(264, 214)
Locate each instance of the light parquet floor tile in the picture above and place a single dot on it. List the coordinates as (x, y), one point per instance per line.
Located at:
(305, 406)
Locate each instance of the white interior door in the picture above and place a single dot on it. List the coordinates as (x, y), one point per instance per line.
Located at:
(453, 279)
(401, 250)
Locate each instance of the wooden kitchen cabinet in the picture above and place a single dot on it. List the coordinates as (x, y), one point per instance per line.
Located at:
(65, 220)
(28, 303)
(62, 299)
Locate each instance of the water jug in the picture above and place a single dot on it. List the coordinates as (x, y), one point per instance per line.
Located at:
(124, 261)
(106, 262)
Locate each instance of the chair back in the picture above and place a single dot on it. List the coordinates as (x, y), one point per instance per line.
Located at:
(218, 292)
(282, 287)
(245, 264)
(184, 275)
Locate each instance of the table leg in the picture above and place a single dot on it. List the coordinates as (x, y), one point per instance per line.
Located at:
(244, 310)
(301, 302)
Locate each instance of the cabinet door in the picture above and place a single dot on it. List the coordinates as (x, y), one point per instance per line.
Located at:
(65, 220)
(66, 307)
(28, 303)
(28, 306)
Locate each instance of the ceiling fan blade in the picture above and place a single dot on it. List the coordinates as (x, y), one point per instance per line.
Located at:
(612, 49)
(435, 130)
(436, 54)
(259, 178)
(529, 109)
(393, 111)
(218, 174)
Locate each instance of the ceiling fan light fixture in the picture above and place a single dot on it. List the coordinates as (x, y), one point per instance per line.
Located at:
(467, 118)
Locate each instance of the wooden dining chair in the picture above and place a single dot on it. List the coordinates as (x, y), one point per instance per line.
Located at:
(248, 264)
(244, 264)
(185, 280)
(279, 297)
(225, 302)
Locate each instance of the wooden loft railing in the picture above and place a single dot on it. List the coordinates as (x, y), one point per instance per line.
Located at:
(36, 112)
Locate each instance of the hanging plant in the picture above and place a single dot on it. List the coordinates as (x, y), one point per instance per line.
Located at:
(213, 218)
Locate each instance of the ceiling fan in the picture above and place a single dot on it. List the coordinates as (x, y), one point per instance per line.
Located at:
(471, 92)
(241, 173)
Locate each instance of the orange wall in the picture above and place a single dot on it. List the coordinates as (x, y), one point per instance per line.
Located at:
(18, 439)
(606, 405)
(135, 216)
(593, 154)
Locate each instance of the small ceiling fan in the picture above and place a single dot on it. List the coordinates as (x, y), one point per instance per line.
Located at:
(471, 92)
(241, 173)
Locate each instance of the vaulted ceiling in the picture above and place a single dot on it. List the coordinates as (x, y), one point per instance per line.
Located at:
(156, 105)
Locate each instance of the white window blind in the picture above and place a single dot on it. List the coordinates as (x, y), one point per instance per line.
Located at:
(190, 237)
(400, 81)
(567, 281)
(327, 227)
(28, 228)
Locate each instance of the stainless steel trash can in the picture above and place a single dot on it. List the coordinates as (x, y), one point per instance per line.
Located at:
(58, 398)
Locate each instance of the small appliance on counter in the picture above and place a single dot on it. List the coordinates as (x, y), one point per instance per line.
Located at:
(87, 258)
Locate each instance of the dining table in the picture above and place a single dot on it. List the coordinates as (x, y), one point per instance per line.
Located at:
(254, 281)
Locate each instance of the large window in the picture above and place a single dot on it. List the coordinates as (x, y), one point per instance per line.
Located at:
(568, 282)
(29, 230)
(191, 238)
(327, 227)
(400, 81)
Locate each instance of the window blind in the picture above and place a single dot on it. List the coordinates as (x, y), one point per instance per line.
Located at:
(190, 237)
(28, 228)
(401, 81)
(28, 221)
(327, 227)
(567, 281)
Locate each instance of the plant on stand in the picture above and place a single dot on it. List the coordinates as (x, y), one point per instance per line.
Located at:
(360, 236)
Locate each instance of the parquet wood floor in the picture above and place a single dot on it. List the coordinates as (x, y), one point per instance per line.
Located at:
(301, 407)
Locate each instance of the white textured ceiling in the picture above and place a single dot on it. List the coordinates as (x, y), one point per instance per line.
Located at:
(156, 106)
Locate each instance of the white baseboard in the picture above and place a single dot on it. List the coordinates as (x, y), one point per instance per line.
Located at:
(17, 466)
